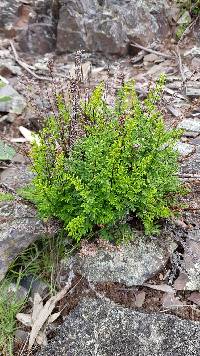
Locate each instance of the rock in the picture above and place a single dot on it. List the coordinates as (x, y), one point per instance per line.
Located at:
(109, 26)
(189, 278)
(19, 228)
(8, 68)
(32, 23)
(16, 177)
(190, 125)
(18, 292)
(100, 327)
(195, 298)
(196, 141)
(192, 260)
(185, 149)
(161, 68)
(132, 264)
(35, 285)
(180, 282)
(9, 118)
(21, 336)
(193, 90)
(15, 103)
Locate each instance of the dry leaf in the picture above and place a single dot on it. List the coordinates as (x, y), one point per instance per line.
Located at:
(139, 299)
(37, 306)
(195, 298)
(53, 317)
(160, 287)
(45, 313)
(29, 136)
(181, 281)
(24, 319)
(41, 338)
(170, 301)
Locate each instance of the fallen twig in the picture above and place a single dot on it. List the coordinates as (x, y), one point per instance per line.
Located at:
(187, 30)
(25, 65)
(168, 56)
(180, 64)
(189, 176)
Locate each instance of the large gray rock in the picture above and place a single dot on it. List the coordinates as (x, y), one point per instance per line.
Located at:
(102, 328)
(19, 227)
(110, 26)
(32, 22)
(131, 264)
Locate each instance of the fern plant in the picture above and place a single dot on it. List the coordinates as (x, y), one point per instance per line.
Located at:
(96, 164)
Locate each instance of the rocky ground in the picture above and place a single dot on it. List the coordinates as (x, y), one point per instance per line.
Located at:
(143, 297)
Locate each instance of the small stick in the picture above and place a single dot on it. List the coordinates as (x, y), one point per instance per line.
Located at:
(189, 176)
(188, 29)
(134, 44)
(180, 64)
(25, 65)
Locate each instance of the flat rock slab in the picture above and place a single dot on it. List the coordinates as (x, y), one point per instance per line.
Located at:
(19, 227)
(16, 177)
(102, 328)
(185, 149)
(131, 264)
(190, 125)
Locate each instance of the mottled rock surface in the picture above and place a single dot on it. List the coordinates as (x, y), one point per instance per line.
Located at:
(19, 227)
(15, 103)
(190, 275)
(16, 177)
(132, 264)
(102, 328)
(106, 26)
(110, 26)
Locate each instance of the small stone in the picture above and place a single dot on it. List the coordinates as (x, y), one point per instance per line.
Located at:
(21, 336)
(195, 298)
(8, 68)
(9, 118)
(190, 134)
(185, 149)
(196, 141)
(15, 103)
(17, 291)
(169, 301)
(180, 282)
(190, 125)
(35, 286)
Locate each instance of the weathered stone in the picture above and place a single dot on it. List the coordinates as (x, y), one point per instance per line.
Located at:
(109, 26)
(8, 68)
(32, 23)
(18, 292)
(15, 103)
(19, 228)
(196, 141)
(190, 125)
(35, 285)
(100, 327)
(132, 264)
(189, 278)
(16, 177)
(185, 149)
